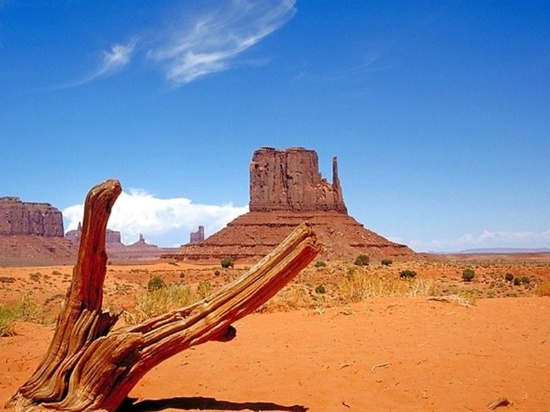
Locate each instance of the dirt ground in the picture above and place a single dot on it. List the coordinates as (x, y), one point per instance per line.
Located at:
(382, 354)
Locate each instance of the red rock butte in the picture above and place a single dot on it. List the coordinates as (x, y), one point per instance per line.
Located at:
(286, 189)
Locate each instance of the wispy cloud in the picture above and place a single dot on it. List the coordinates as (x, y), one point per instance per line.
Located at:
(211, 43)
(116, 58)
(485, 240)
(113, 60)
(165, 222)
(203, 43)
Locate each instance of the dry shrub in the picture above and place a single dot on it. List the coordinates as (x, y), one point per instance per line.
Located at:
(359, 284)
(291, 297)
(466, 297)
(25, 310)
(159, 301)
(543, 289)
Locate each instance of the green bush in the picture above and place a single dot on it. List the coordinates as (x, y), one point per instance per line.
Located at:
(525, 280)
(155, 283)
(407, 274)
(320, 289)
(386, 262)
(227, 262)
(361, 260)
(320, 264)
(517, 281)
(509, 277)
(468, 275)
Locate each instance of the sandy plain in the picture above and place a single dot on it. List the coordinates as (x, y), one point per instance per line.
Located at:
(385, 353)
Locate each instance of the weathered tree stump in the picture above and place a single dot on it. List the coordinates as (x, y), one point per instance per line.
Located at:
(90, 367)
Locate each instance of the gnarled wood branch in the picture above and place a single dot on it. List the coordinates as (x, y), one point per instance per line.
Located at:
(90, 367)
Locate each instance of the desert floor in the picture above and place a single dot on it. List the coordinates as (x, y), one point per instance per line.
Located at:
(382, 354)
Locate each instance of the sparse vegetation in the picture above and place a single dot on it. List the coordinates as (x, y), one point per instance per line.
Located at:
(543, 289)
(467, 297)
(362, 260)
(320, 289)
(321, 285)
(204, 289)
(227, 262)
(386, 262)
(159, 301)
(291, 297)
(407, 274)
(156, 283)
(7, 279)
(468, 275)
(361, 284)
(25, 310)
(35, 276)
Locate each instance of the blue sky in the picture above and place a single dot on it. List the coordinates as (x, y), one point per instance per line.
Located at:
(438, 112)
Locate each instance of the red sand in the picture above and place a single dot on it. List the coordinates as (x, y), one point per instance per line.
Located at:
(387, 354)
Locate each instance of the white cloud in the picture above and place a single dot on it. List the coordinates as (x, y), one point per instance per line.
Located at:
(165, 222)
(211, 43)
(485, 240)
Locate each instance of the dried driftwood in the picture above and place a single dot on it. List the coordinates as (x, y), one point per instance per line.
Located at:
(90, 367)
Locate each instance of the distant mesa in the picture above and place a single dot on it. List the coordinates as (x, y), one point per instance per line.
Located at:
(24, 218)
(286, 189)
(31, 233)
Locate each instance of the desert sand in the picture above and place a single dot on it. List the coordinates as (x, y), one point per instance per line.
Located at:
(382, 354)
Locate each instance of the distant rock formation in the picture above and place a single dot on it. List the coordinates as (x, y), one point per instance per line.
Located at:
(287, 189)
(289, 180)
(23, 218)
(118, 251)
(198, 236)
(111, 236)
(32, 233)
(74, 235)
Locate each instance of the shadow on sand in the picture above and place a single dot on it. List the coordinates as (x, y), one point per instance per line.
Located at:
(206, 404)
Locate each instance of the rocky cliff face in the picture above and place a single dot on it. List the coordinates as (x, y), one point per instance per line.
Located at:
(23, 218)
(287, 189)
(289, 180)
